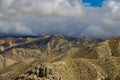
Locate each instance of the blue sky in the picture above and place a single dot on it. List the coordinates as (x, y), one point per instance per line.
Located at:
(94, 3)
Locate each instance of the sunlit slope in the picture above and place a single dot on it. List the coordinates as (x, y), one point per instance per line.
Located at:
(84, 60)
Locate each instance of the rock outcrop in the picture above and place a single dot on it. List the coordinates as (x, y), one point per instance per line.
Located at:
(41, 72)
(58, 57)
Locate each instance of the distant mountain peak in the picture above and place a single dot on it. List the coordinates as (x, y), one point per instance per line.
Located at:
(53, 35)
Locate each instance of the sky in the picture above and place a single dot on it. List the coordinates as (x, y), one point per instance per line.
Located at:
(94, 3)
(92, 18)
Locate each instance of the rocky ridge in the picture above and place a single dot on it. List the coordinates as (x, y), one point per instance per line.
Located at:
(82, 59)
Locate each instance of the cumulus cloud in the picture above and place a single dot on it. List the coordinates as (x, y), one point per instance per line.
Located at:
(69, 17)
(40, 8)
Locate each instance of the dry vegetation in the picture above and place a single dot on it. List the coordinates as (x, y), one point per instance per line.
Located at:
(58, 57)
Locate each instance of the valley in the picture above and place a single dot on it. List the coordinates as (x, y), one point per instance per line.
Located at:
(59, 57)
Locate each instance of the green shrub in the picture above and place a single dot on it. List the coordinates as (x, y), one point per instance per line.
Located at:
(117, 78)
(107, 79)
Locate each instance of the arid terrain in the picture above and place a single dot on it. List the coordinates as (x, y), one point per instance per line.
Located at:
(59, 57)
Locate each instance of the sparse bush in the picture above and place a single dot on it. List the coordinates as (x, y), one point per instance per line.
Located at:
(107, 79)
(117, 78)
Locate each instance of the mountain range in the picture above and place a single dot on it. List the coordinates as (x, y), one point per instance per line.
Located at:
(59, 57)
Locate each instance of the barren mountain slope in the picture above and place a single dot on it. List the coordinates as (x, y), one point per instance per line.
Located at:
(49, 45)
(84, 59)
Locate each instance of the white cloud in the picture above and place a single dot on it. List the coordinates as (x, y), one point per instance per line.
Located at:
(62, 8)
(95, 31)
(70, 17)
(114, 5)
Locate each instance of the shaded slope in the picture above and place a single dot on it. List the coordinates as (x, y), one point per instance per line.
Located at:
(65, 58)
(49, 45)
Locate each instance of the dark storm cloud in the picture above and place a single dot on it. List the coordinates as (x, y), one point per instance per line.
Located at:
(69, 17)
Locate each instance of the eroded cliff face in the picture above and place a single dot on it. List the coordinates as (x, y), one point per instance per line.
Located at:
(58, 57)
(44, 72)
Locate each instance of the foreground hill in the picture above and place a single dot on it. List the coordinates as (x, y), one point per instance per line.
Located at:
(58, 57)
